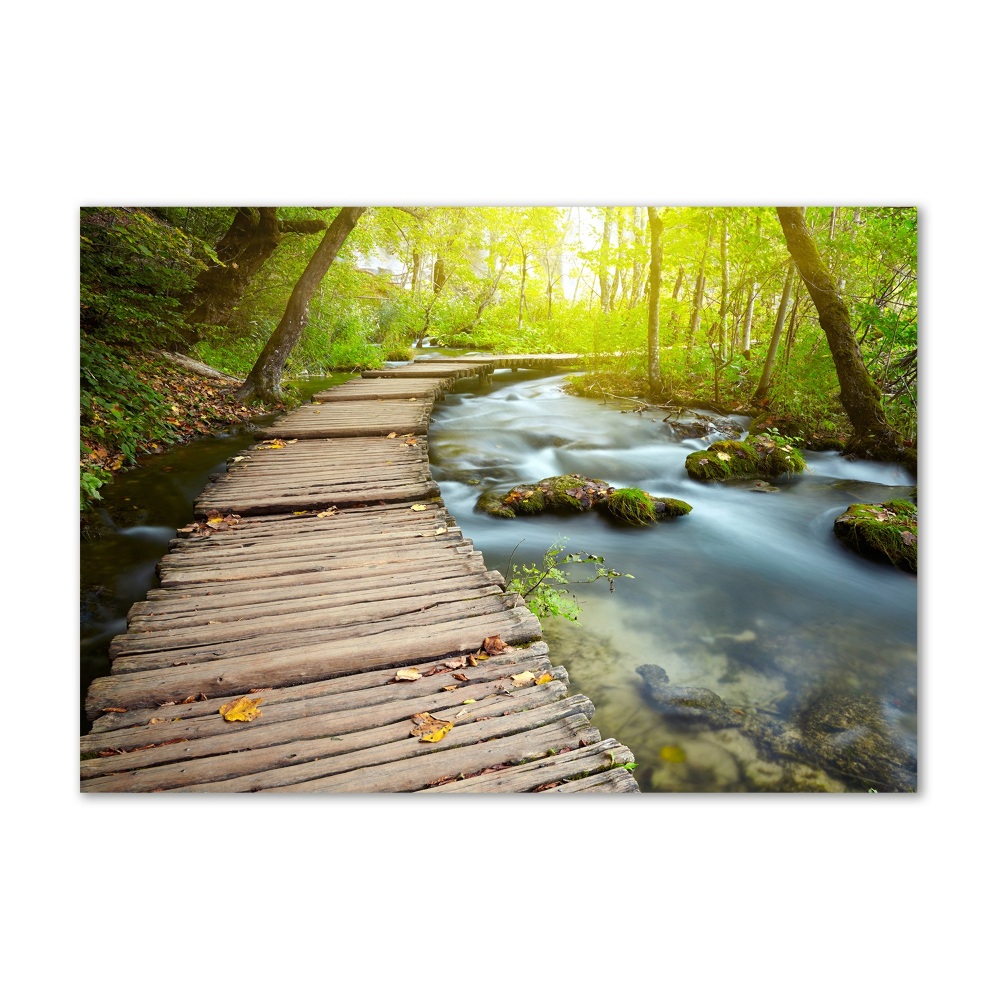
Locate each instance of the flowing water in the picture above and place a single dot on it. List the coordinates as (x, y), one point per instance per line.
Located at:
(750, 595)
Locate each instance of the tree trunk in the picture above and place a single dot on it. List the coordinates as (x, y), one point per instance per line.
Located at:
(417, 261)
(724, 262)
(251, 239)
(772, 351)
(873, 436)
(748, 320)
(524, 278)
(264, 380)
(653, 323)
(602, 274)
(439, 275)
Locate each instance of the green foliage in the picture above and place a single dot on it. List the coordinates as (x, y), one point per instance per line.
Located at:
(134, 269)
(544, 587)
(119, 412)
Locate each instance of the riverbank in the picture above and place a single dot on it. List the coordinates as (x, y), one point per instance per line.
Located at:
(158, 402)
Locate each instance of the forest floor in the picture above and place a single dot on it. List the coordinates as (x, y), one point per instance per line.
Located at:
(195, 405)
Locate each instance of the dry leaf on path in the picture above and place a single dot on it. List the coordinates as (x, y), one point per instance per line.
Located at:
(494, 645)
(408, 674)
(429, 729)
(241, 710)
(527, 677)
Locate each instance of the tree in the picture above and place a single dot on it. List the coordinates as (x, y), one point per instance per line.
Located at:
(861, 399)
(653, 322)
(253, 236)
(264, 380)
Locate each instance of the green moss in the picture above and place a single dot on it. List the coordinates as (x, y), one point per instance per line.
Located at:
(631, 505)
(884, 531)
(572, 493)
(756, 457)
(671, 507)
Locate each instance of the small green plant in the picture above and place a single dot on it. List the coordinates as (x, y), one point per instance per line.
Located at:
(544, 587)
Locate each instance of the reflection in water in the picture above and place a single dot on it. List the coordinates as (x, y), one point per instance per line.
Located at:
(750, 595)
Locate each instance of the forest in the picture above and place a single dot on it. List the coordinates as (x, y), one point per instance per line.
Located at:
(803, 318)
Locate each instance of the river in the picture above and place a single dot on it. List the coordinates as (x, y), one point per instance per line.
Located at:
(750, 595)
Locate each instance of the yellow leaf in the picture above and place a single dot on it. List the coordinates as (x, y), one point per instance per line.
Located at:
(469, 701)
(544, 678)
(450, 687)
(675, 755)
(329, 512)
(429, 729)
(408, 674)
(241, 710)
(523, 678)
(392, 434)
(299, 513)
(419, 506)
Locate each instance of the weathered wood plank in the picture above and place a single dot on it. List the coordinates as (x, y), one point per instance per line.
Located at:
(248, 749)
(407, 764)
(123, 726)
(235, 675)
(574, 763)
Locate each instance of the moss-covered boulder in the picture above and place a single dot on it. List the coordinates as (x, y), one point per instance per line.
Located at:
(571, 493)
(883, 531)
(756, 457)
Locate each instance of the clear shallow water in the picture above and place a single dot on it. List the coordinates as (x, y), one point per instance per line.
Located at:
(750, 595)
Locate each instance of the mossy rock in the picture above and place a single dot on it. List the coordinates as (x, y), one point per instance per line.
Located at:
(573, 493)
(755, 457)
(883, 531)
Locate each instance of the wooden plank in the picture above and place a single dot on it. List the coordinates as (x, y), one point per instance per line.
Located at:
(608, 755)
(488, 683)
(236, 675)
(406, 763)
(121, 727)
(248, 749)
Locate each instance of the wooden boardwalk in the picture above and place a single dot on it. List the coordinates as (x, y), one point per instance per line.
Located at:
(324, 582)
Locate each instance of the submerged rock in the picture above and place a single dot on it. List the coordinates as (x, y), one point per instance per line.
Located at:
(843, 732)
(571, 493)
(698, 426)
(883, 531)
(692, 705)
(756, 457)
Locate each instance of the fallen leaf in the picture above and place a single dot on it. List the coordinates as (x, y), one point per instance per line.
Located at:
(440, 531)
(329, 512)
(429, 729)
(114, 709)
(450, 687)
(392, 435)
(241, 710)
(469, 701)
(544, 678)
(675, 755)
(527, 677)
(460, 677)
(419, 506)
(722, 456)
(908, 537)
(408, 674)
(156, 722)
(494, 645)
(703, 461)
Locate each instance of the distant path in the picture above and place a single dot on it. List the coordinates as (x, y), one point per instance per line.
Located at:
(322, 564)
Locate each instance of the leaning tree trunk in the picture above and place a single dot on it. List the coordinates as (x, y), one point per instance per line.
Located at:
(873, 436)
(653, 322)
(242, 251)
(764, 385)
(264, 380)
